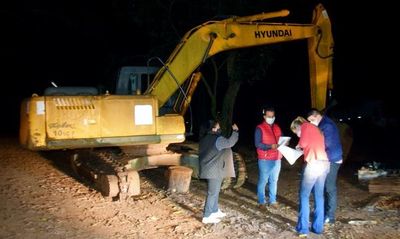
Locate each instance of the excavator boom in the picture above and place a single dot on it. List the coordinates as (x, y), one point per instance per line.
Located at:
(213, 37)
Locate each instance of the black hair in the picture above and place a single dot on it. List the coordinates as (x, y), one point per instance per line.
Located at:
(207, 127)
(313, 111)
(267, 108)
(213, 123)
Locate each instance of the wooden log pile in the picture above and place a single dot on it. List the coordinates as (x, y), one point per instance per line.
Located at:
(384, 185)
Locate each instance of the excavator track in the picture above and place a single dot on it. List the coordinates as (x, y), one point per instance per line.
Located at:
(106, 168)
(241, 173)
(115, 171)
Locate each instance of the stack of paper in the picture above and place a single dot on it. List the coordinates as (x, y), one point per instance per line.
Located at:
(291, 155)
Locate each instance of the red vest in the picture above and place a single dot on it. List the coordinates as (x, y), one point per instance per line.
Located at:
(269, 135)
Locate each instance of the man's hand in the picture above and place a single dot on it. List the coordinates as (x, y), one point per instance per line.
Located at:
(235, 128)
(274, 146)
(287, 142)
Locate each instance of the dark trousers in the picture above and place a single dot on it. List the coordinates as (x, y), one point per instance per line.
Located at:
(331, 192)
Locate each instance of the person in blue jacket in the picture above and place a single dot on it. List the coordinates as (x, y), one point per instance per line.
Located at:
(333, 148)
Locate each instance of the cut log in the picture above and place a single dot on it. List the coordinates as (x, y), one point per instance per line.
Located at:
(384, 185)
(108, 185)
(179, 178)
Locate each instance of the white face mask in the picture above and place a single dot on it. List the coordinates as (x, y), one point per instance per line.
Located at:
(314, 120)
(269, 120)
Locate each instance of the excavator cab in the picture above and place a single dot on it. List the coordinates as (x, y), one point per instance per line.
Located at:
(133, 80)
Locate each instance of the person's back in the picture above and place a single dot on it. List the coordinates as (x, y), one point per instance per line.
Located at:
(208, 155)
(333, 146)
(312, 142)
(216, 162)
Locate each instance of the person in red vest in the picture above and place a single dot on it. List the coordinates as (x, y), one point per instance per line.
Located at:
(266, 139)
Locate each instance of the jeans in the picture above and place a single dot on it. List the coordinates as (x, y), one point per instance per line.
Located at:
(213, 189)
(313, 179)
(331, 191)
(268, 172)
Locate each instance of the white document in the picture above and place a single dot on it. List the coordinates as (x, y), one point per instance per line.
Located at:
(291, 155)
(283, 140)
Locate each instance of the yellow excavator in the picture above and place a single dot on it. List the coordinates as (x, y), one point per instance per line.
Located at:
(133, 119)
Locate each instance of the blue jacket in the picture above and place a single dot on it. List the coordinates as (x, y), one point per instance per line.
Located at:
(333, 147)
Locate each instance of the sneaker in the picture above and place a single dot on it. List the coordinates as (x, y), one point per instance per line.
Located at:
(302, 235)
(329, 221)
(218, 214)
(210, 219)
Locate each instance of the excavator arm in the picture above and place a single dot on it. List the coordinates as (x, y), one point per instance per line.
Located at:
(213, 37)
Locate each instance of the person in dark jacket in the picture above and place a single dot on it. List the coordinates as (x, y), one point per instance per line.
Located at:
(216, 163)
(333, 148)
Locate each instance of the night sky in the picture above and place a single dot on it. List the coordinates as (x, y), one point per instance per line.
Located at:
(82, 43)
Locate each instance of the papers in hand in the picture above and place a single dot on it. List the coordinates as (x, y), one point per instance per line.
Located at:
(291, 155)
(283, 140)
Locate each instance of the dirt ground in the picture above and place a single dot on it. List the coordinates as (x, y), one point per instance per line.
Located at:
(41, 198)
